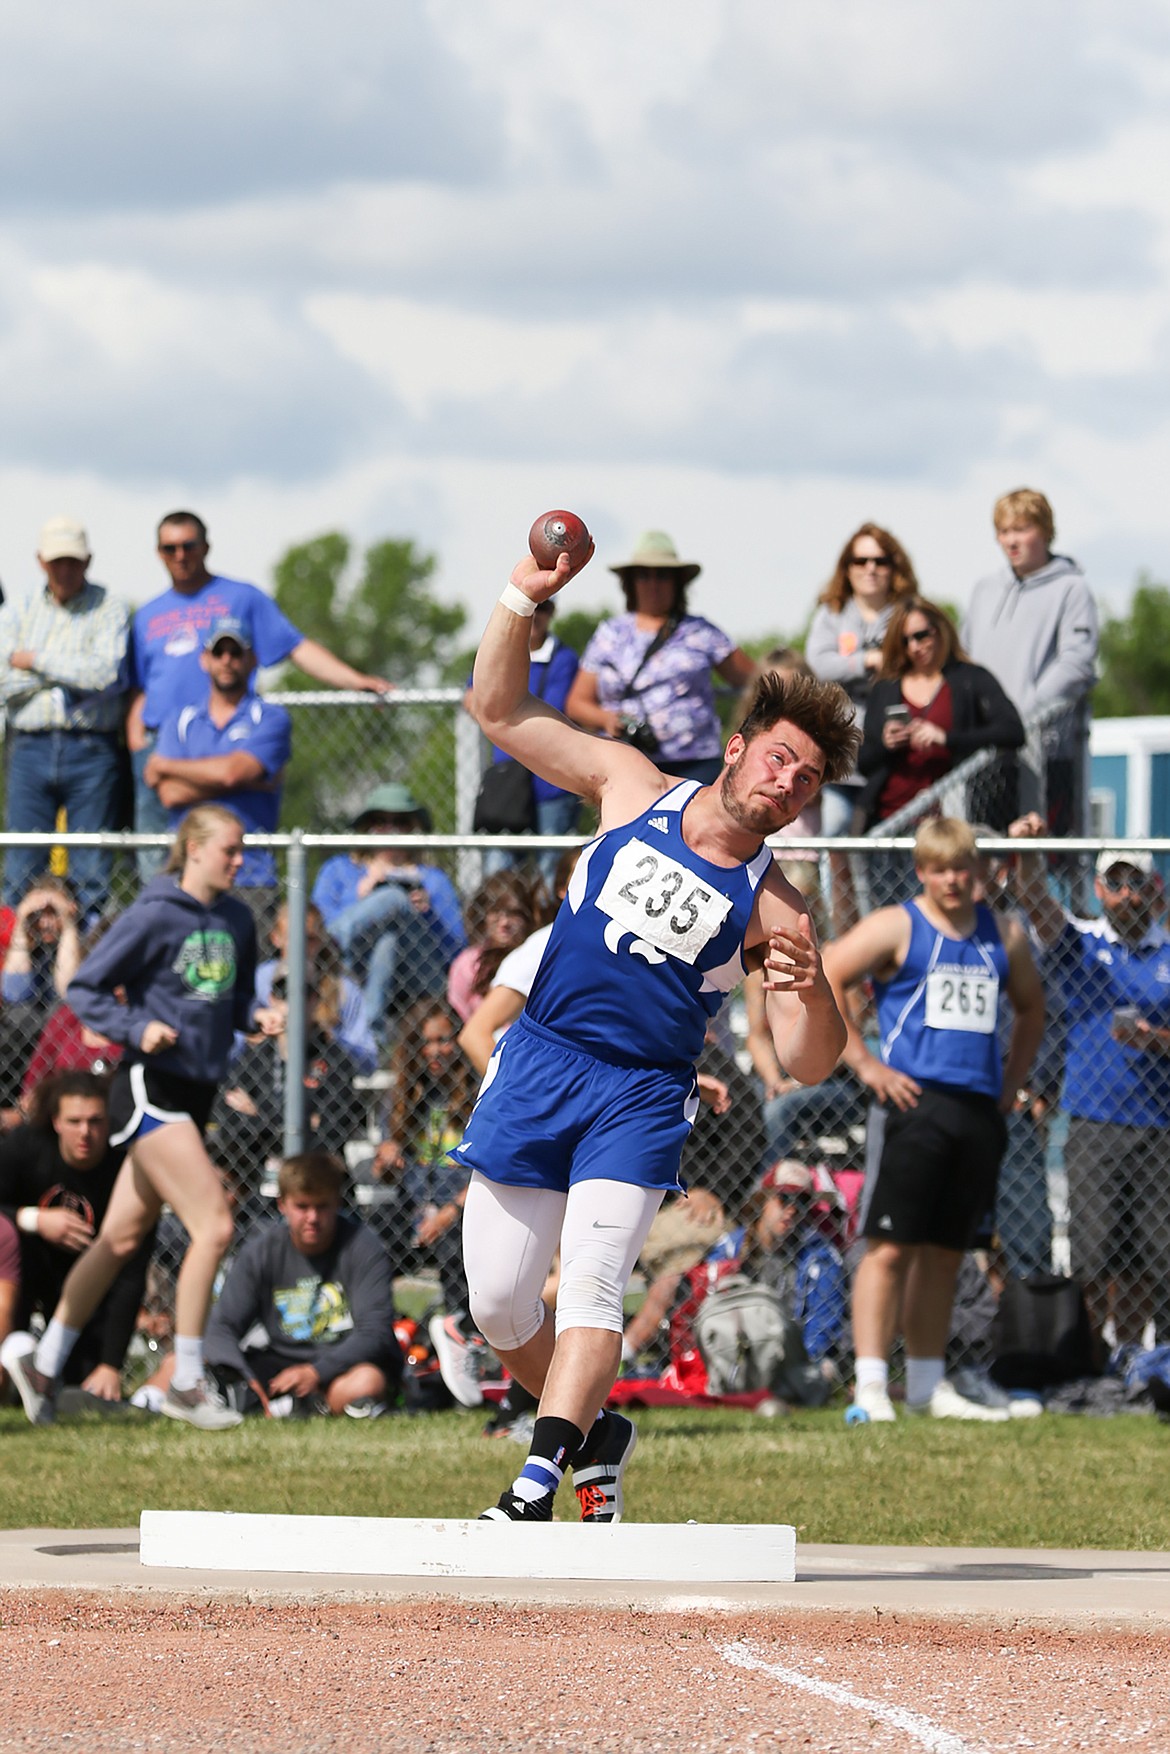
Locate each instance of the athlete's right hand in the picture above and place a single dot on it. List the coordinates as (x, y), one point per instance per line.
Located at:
(888, 1085)
(541, 585)
(158, 1036)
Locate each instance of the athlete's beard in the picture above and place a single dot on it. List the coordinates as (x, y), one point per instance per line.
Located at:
(755, 818)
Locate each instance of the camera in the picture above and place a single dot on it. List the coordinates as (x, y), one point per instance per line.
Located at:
(639, 734)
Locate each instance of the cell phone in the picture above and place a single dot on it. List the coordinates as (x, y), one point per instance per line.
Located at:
(898, 714)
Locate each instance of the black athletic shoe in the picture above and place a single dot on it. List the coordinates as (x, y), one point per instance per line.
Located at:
(598, 1470)
(511, 1509)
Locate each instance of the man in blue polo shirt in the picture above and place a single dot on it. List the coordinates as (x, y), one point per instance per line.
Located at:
(231, 749)
(1114, 973)
(168, 636)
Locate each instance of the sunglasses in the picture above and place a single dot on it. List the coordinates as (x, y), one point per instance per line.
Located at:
(227, 648)
(179, 547)
(1135, 882)
(916, 638)
(880, 561)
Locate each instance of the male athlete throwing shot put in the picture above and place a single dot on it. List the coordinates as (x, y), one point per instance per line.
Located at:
(588, 1098)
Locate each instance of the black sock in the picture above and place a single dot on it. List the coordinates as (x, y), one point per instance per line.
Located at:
(554, 1444)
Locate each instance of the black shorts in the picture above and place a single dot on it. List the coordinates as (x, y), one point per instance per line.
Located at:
(143, 1098)
(939, 1166)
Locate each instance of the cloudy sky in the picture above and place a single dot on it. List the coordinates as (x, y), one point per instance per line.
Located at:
(752, 271)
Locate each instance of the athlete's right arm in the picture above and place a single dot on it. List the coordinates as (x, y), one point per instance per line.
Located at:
(877, 945)
(610, 774)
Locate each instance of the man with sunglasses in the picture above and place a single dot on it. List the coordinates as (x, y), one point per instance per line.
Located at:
(168, 637)
(1114, 976)
(232, 748)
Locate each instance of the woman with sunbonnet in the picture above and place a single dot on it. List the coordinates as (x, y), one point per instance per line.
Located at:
(646, 675)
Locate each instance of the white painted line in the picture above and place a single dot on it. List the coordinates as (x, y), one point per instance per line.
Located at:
(685, 1553)
(931, 1736)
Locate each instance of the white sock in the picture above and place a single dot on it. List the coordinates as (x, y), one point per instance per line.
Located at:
(188, 1361)
(923, 1376)
(56, 1343)
(872, 1373)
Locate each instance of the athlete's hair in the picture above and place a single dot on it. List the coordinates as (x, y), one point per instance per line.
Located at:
(896, 653)
(191, 518)
(822, 710)
(199, 824)
(902, 580)
(312, 1172)
(46, 1097)
(1025, 505)
(943, 839)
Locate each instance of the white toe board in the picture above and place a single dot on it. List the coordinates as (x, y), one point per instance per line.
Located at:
(425, 1547)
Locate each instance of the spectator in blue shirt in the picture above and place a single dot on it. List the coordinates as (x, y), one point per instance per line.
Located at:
(168, 636)
(397, 921)
(232, 748)
(1114, 977)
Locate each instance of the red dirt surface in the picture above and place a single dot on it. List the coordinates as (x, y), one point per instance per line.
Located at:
(113, 1672)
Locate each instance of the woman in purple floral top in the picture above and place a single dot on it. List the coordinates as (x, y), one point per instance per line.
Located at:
(665, 704)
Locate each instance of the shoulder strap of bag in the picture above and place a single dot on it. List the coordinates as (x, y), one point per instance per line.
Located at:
(668, 628)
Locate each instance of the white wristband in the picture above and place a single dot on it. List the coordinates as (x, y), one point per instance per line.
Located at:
(26, 1219)
(517, 600)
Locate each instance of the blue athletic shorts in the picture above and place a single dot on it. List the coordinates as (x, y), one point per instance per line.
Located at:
(549, 1115)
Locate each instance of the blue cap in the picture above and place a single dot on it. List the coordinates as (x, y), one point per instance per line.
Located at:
(228, 627)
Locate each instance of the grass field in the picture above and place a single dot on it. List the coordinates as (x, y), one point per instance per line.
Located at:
(1050, 1482)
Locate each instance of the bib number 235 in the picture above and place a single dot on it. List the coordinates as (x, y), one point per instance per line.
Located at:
(661, 901)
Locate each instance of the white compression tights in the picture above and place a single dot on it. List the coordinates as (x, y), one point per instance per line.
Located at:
(511, 1234)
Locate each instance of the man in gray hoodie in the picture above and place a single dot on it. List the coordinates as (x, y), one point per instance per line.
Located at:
(1033, 624)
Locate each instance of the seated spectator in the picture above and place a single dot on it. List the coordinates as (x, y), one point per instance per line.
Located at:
(248, 1117)
(726, 1143)
(353, 1032)
(65, 1044)
(397, 920)
(929, 708)
(9, 1282)
(779, 1243)
(512, 981)
(56, 1177)
(501, 914)
(434, 1092)
(230, 749)
(317, 1287)
(552, 670)
(43, 956)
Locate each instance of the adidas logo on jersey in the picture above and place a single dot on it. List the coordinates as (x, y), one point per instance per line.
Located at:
(660, 823)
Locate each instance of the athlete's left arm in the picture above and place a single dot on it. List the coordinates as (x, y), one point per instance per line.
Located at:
(1026, 993)
(808, 1030)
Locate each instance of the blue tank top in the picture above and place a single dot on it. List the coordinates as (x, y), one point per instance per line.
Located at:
(938, 1015)
(647, 942)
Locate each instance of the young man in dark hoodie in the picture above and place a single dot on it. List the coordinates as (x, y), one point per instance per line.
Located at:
(1033, 624)
(172, 980)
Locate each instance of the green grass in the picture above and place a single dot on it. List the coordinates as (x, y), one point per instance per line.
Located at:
(1051, 1482)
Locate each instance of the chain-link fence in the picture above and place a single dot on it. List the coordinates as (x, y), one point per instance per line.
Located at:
(360, 932)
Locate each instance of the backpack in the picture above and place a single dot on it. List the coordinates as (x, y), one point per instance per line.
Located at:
(745, 1338)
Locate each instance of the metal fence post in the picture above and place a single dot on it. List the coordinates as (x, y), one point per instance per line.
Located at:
(296, 961)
